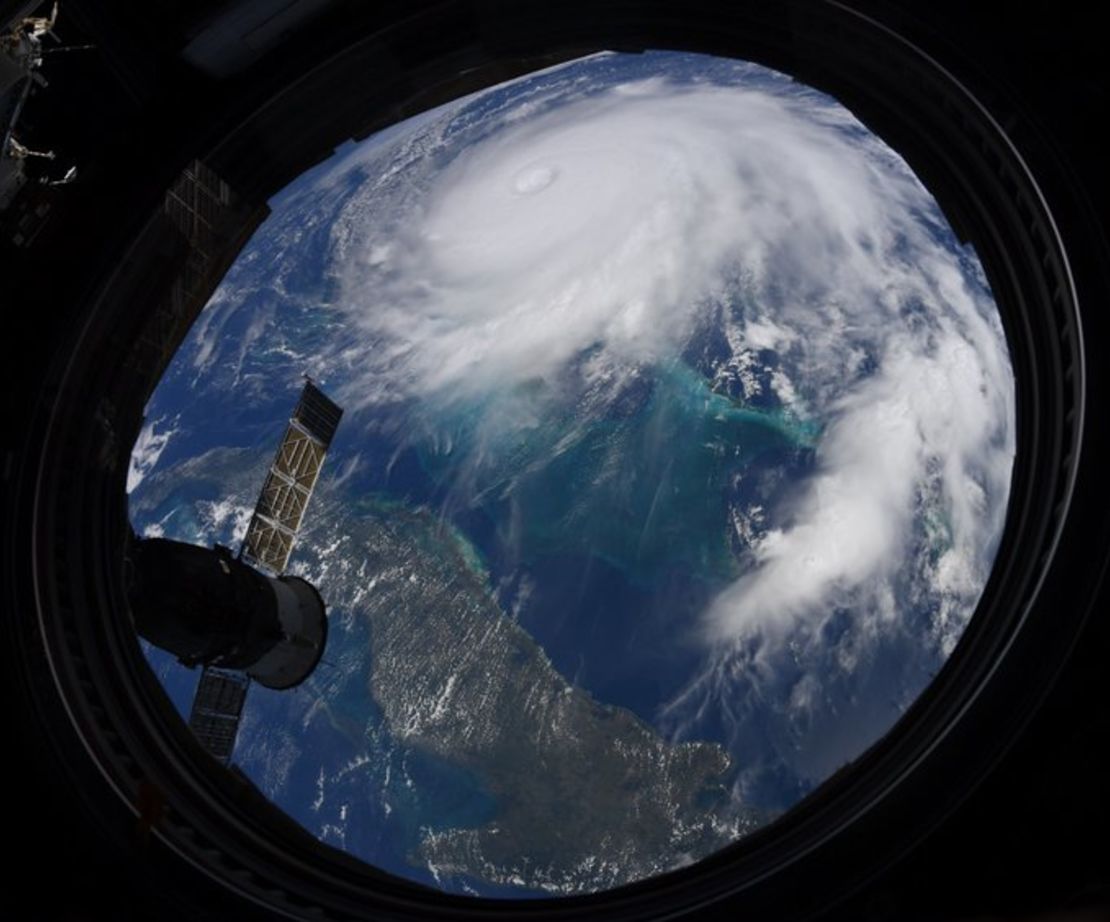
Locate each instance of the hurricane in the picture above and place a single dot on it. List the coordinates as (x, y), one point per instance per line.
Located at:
(625, 221)
(679, 372)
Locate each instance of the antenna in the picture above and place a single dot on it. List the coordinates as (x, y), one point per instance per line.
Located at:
(64, 48)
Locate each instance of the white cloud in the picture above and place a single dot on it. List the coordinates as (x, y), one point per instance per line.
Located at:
(148, 449)
(158, 529)
(224, 520)
(853, 519)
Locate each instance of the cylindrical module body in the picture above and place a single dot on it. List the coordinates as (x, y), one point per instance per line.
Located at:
(304, 627)
(207, 608)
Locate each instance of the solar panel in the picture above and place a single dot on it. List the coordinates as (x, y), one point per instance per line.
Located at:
(289, 483)
(319, 415)
(217, 707)
(281, 505)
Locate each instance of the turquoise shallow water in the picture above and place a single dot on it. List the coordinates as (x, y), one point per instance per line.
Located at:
(643, 483)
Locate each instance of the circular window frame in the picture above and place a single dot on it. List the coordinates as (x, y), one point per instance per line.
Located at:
(831, 842)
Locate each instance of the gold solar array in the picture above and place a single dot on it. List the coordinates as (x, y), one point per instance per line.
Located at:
(285, 494)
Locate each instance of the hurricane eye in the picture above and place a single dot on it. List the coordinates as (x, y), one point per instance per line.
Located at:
(677, 447)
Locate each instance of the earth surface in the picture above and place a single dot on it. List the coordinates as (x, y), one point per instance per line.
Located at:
(677, 446)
